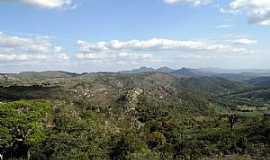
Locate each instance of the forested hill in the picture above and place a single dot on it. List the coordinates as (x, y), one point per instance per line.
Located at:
(152, 115)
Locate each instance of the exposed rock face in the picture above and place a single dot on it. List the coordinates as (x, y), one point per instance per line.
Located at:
(4, 77)
(132, 98)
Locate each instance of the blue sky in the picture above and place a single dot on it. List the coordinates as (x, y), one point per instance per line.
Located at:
(111, 35)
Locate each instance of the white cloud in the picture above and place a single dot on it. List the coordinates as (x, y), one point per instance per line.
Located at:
(34, 44)
(192, 2)
(50, 4)
(244, 41)
(21, 57)
(224, 26)
(153, 51)
(15, 48)
(114, 56)
(257, 11)
(155, 44)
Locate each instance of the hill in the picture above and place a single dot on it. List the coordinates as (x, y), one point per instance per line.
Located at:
(146, 115)
(165, 70)
(139, 70)
(260, 82)
(187, 72)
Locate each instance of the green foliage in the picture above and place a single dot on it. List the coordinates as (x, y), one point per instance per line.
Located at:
(23, 123)
(150, 116)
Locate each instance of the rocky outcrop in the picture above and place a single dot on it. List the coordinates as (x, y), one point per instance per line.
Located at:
(132, 98)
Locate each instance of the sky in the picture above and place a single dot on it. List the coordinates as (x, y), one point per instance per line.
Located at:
(113, 35)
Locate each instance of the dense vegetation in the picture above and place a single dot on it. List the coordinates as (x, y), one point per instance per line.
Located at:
(144, 116)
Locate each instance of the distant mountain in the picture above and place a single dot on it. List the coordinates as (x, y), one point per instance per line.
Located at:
(165, 70)
(252, 77)
(183, 72)
(42, 75)
(234, 71)
(212, 85)
(140, 70)
(187, 72)
(36, 76)
(241, 77)
(233, 75)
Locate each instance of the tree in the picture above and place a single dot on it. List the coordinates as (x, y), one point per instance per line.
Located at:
(22, 126)
(233, 119)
